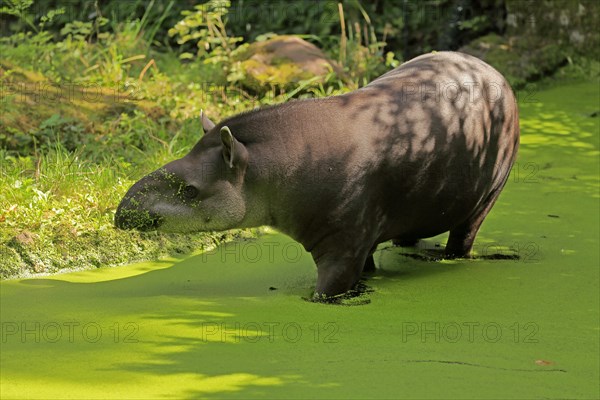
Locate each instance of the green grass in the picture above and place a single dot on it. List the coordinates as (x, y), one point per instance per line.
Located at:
(69, 151)
(57, 212)
(81, 121)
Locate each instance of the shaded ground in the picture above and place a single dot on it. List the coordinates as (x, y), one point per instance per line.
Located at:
(232, 323)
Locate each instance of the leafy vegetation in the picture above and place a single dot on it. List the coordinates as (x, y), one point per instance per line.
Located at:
(93, 97)
(88, 109)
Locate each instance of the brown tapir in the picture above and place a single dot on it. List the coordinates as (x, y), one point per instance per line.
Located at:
(424, 149)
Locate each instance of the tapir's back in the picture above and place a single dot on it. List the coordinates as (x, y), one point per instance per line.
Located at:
(444, 129)
(442, 102)
(456, 94)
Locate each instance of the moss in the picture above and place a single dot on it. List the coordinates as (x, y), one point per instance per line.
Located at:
(281, 62)
(281, 74)
(517, 59)
(29, 254)
(541, 39)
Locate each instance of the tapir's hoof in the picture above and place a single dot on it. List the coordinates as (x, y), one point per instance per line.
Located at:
(451, 255)
(323, 298)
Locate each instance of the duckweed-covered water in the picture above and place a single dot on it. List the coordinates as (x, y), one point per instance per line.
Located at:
(521, 320)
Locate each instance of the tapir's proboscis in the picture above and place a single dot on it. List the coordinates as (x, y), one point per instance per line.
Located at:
(424, 149)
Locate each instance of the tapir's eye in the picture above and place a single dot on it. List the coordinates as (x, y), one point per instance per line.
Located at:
(189, 192)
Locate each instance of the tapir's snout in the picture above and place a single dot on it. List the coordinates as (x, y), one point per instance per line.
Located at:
(129, 218)
(131, 212)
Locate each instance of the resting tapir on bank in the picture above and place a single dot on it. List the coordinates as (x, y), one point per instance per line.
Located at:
(424, 149)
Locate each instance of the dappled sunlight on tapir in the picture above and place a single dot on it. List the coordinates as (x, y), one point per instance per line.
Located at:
(424, 149)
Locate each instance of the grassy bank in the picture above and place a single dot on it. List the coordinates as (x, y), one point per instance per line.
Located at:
(84, 113)
(68, 153)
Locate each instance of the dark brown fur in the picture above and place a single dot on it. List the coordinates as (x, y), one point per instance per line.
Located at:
(421, 150)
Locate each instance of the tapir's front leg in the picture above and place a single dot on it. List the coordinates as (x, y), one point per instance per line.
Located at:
(338, 270)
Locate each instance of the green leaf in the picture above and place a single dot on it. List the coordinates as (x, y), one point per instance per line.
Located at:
(186, 56)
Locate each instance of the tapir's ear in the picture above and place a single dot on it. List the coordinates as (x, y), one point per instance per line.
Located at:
(229, 146)
(207, 124)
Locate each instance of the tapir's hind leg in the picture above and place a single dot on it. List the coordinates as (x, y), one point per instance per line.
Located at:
(370, 262)
(460, 241)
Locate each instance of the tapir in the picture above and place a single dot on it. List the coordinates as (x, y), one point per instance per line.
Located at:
(424, 149)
